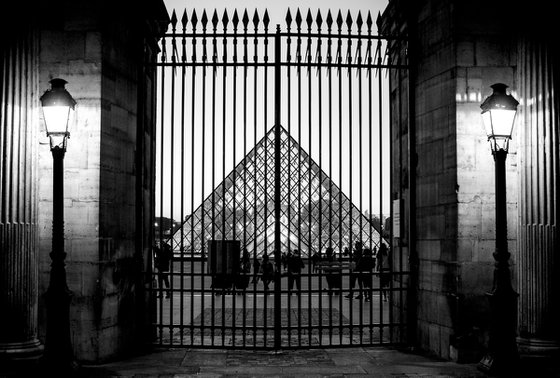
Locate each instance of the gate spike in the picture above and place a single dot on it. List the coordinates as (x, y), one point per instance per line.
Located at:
(288, 18)
(266, 19)
(359, 22)
(309, 19)
(245, 19)
(349, 21)
(215, 19)
(173, 20)
(225, 19)
(256, 19)
(204, 20)
(184, 20)
(319, 19)
(235, 19)
(194, 19)
(339, 21)
(378, 22)
(298, 19)
(329, 21)
(369, 22)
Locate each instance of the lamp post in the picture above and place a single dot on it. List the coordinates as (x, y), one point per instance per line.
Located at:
(58, 355)
(498, 114)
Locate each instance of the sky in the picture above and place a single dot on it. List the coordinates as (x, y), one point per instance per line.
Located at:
(346, 155)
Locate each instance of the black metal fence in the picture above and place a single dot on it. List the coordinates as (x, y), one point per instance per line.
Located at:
(274, 143)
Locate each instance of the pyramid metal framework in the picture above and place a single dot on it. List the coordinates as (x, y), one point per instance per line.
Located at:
(315, 213)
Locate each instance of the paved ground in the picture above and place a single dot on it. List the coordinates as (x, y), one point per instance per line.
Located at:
(344, 362)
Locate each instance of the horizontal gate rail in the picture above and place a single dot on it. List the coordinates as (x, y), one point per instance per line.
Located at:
(269, 142)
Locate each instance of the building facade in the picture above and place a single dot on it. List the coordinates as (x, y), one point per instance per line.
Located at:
(442, 178)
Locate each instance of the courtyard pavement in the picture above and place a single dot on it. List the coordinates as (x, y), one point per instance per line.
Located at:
(343, 362)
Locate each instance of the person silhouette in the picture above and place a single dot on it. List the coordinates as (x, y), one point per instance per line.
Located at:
(162, 261)
(267, 271)
(295, 265)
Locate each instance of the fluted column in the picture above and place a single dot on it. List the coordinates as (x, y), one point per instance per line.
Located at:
(18, 216)
(538, 265)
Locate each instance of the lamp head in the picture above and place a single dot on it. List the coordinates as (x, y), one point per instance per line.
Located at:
(498, 115)
(56, 103)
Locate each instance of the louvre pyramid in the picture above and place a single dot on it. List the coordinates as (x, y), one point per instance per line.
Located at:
(315, 213)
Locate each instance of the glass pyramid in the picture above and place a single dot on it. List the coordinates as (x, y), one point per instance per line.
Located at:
(315, 214)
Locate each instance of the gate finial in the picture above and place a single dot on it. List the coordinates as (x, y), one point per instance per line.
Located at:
(266, 19)
(329, 21)
(349, 21)
(369, 22)
(288, 19)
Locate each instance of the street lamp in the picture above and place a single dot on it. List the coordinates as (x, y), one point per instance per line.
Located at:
(58, 355)
(498, 115)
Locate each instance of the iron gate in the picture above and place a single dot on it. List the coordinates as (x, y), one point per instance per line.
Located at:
(273, 144)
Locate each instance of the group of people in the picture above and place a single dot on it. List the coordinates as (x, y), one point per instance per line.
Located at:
(293, 265)
(363, 262)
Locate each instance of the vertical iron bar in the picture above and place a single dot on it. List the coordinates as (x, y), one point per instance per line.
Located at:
(202, 182)
(277, 187)
(182, 217)
(298, 59)
(380, 87)
(340, 203)
(234, 179)
(360, 175)
(161, 187)
(350, 152)
(289, 149)
(310, 183)
(223, 184)
(193, 242)
(171, 173)
(370, 175)
(245, 178)
(330, 107)
(255, 129)
(213, 179)
(320, 131)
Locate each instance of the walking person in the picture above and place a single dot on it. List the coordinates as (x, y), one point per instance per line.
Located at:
(384, 268)
(365, 268)
(242, 278)
(316, 261)
(354, 274)
(332, 274)
(295, 266)
(256, 270)
(162, 262)
(267, 271)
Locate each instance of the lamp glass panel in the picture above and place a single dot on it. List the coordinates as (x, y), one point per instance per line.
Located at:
(502, 121)
(487, 121)
(56, 118)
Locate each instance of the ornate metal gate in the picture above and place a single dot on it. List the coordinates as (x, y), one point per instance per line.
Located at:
(274, 145)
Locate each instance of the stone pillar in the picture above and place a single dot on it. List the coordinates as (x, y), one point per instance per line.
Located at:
(538, 265)
(18, 217)
(104, 51)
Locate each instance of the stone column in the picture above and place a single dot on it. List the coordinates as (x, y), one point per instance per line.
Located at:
(538, 265)
(18, 216)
